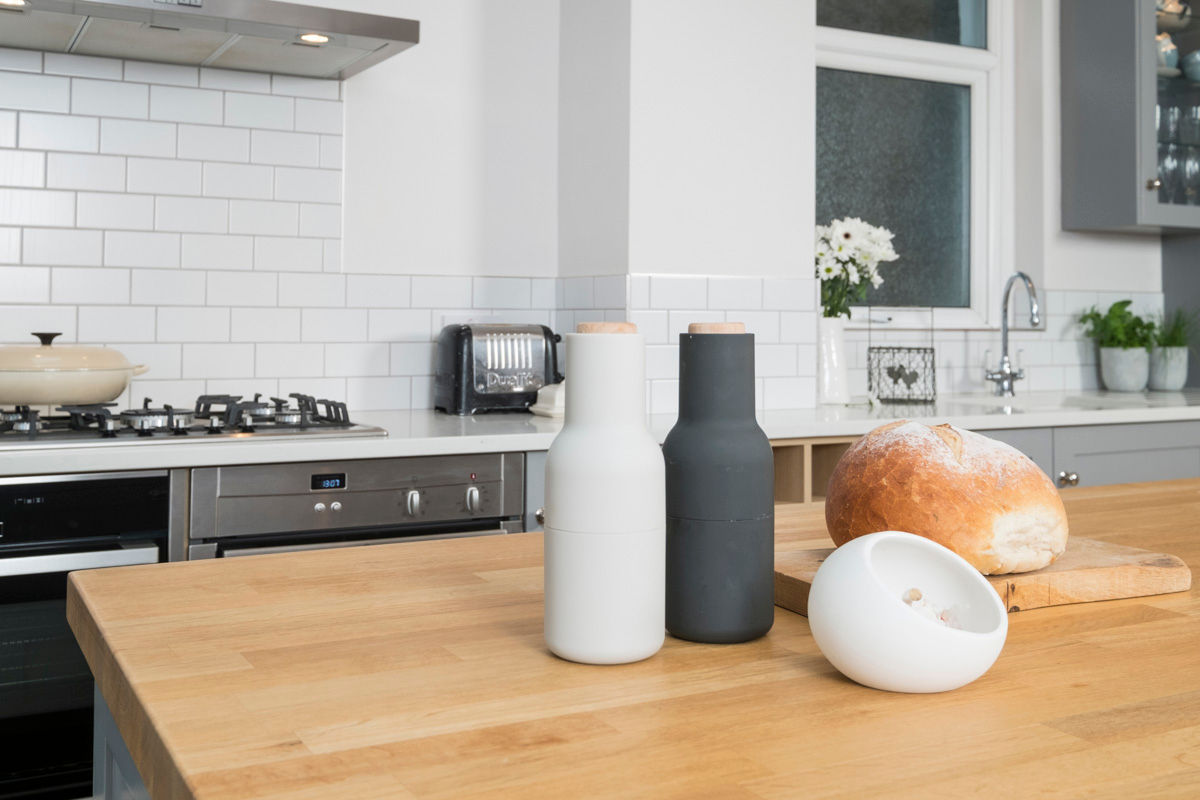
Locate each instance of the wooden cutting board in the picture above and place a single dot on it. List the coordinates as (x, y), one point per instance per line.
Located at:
(1090, 570)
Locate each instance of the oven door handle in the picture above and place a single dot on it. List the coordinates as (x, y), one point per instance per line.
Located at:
(69, 562)
(295, 548)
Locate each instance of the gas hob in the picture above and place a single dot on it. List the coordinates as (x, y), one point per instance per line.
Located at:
(213, 417)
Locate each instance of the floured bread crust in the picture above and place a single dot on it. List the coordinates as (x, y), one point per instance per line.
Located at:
(981, 498)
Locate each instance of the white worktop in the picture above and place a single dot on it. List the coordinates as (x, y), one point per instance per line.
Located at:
(431, 433)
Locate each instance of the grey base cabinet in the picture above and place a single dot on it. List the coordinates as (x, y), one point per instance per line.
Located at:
(114, 776)
(1037, 443)
(1104, 454)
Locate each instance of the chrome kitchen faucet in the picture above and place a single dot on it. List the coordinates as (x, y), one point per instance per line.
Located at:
(1005, 375)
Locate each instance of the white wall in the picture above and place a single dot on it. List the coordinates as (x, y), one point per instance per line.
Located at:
(722, 137)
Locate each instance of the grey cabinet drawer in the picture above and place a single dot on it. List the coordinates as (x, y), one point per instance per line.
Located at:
(1037, 443)
(1104, 454)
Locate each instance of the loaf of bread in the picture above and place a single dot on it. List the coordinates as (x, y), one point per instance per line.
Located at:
(979, 497)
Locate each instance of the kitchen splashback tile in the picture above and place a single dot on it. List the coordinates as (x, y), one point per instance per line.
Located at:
(671, 292)
(386, 325)
(241, 181)
(10, 245)
(377, 291)
(368, 394)
(257, 111)
(441, 291)
(178, 104)
(137, 138)
(413, 358)
(20, 60)
(167, 287)
(735, 293)
(296, 86)
(319, 116)
(163, 360)
(62, 247)
(116, 211)
(242, 288)
(319, 219)
(288, 254)
(8, 129)
(22, 168)
(356, 360)
(170, 74)
(110, 98)
(98, 173)
(208, 251)
(333, 325)
(17, 321)
(501, 293)
(193, 324)
(211, 143)
(83, 66)
(265, 324)
(116, 323)
(291, 360)
(192, 214)
(313, 291)
(24, 284)
(265, 217)
(37, 207)
(331, 152)
(312, 185)
(285, 149)
(218, 361)
(235, 80)
(28, 92)
(162, 176)
(58, 132)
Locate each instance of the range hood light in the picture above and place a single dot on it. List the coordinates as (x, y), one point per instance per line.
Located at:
(307, 38)
(13, 3)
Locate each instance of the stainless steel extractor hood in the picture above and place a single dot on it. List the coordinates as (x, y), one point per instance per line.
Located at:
(256, 35)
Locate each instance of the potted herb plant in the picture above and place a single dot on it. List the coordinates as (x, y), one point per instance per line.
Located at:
(1125, 340)
(1169, 355)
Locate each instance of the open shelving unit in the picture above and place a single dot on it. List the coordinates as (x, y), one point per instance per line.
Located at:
(803, 466)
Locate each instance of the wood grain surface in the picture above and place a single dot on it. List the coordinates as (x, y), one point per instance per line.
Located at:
(418, 671)
(1088, 571)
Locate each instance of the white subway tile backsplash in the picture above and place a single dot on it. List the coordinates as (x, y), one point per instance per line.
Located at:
(24, 284)
(287, 254)
(331, 152)
(258, 111)
(794, 392)
(136, 249)
(235, 80)
(109, 98)
(179, 104)
(378, 393)
(167, 287)
(295, 86)
(22, 168)
(191, 214)
(653, 325)
(313, 290)
(735, 293)
(285, 149)
(264, 217)
(17, 321)
(162, 176)
(59, 247)
(662, 362)
(28, 92)
(10, 245)
(319, 219)
(774, 360)
(162, 360)
(678, 321)
(399, 325)
(211, 143)
(218, 361)
(170, 74)
(8, 129)
(763, 324)
(798, 326)
(89, 285)
(358, 359)
(242, 181)
(609, 291)
(438, 291)
(58, 132)
(377, 291)
(37, 207)
(137, 138)
(118, 211)
(319, 116)
(242, 288)
(413, 358)
(333, 324)
(207, 251)
(579, 292)
(20, 60)
(265, 325)
(82, 66)
(664, 397)
(120, 323)
(501, 293)
(422, 391)
(332, 253)
(193, 324)
(290, 360)
(312, 185)
(671, 292)
(542, 293)
(98, 173)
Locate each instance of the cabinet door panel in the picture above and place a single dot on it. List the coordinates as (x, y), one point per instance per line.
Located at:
(1037, 443)
(1105, 454)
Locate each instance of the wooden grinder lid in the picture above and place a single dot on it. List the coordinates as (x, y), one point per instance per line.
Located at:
(606, 327)
(717, 327)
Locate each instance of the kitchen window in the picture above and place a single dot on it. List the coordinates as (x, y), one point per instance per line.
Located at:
(914, 133)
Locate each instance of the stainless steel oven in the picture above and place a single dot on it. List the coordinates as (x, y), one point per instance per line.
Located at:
(270, 508)
(51, 525)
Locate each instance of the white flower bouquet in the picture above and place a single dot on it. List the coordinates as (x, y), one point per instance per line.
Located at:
(849, 252)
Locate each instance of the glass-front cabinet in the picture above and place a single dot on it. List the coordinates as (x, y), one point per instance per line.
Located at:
(1130, 115)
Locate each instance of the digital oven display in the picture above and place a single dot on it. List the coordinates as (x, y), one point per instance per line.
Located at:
(334, 480)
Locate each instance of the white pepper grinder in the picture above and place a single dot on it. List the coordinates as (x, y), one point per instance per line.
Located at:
(605, 529)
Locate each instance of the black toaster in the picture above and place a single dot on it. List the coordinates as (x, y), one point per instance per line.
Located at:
(495, 367)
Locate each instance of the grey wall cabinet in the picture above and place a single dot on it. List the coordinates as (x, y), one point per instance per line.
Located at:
(1130, 130)
(1104, 454)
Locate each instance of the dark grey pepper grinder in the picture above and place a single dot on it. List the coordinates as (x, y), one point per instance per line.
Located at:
(720, 494)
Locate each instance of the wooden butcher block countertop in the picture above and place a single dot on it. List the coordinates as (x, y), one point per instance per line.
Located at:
(418, 671)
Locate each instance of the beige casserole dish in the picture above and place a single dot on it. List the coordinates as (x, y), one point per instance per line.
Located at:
(40, 375)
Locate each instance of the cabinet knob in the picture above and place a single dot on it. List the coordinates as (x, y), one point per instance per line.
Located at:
(1068, 478)
(1153, 185)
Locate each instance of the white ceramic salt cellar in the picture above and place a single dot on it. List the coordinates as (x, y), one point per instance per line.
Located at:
(900, 612)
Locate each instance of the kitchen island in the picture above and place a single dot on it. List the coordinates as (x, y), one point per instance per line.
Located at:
(418, 670)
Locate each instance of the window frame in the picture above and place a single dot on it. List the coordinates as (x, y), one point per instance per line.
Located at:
(988, 74)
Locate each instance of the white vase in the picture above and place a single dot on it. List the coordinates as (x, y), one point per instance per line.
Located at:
(1124, 369)
(834, 382)
(1168, 368)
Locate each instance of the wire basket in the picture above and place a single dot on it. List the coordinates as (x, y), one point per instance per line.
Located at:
(902, 374)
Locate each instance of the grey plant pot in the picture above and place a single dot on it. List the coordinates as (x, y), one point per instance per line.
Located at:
(1124, 370)
(1168, 368)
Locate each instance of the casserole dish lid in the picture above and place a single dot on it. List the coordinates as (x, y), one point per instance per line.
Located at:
(47, 357)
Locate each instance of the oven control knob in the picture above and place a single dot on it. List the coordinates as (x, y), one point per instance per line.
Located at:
(335, 506)
(319, 507)
(412, 503)
(473, 499)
